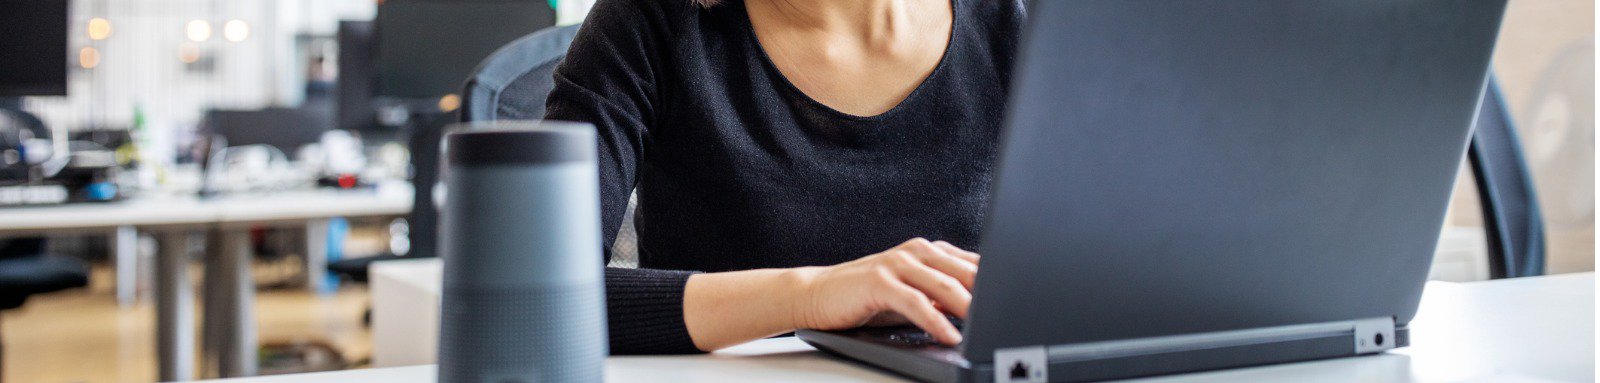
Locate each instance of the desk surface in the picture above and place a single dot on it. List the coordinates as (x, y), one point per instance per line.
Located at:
(1525, 330)
(387, 199)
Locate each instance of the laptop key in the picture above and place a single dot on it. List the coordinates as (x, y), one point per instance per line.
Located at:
(913, 338)
(904, 336)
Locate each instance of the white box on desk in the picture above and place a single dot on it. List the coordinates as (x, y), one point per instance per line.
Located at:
(405, 311)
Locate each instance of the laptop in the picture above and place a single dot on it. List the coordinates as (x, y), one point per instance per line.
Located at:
(1194, 185)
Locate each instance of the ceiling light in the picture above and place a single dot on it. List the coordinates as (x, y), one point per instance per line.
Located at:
(88, 57)
(449, 102)
(99, 28)
(188, 53)
(198, 30)
(235, 30)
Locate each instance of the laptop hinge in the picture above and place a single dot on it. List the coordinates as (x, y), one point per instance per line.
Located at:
(1031, 363)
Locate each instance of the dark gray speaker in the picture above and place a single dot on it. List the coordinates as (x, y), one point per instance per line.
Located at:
(523, 297)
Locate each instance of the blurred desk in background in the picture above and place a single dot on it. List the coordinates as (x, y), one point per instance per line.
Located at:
(230, 333)
(230, 295)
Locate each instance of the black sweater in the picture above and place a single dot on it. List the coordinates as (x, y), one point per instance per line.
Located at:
(736, 169)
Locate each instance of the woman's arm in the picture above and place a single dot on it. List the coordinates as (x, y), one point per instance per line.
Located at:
(917, 282)
(609, 79)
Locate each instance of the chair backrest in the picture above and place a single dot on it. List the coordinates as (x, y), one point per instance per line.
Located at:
(513, 84)
(1515, 228)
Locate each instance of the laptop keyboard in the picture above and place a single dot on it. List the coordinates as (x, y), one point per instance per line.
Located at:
(907, 337)
(912, 337)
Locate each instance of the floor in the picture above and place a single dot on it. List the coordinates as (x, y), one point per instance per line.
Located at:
(82, 336)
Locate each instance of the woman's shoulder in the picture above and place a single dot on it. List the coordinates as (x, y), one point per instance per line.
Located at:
(626, 13)
(999, 8)
(999, 14)
(656, 24)
(995, 27)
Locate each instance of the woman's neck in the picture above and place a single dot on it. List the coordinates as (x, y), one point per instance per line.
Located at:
(867, 19)
(860, 57)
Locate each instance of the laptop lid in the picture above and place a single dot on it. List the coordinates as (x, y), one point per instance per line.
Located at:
(1177, 166)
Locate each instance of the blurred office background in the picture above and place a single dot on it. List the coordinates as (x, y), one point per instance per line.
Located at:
(233, 102)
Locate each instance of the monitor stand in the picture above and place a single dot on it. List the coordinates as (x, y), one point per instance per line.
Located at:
(425, 131)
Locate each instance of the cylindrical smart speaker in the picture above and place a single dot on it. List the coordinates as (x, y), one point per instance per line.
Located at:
(523, 297)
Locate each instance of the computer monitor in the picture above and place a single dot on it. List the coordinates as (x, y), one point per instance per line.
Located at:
(427, 48)
(33, 48)
(357, 75)
(284, 128)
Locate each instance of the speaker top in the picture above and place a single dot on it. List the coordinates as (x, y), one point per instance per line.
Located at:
(520, 142)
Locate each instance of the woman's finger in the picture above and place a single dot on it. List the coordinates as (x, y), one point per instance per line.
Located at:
(919, 310)
(945, 290)
(958, 252)
(941, 260)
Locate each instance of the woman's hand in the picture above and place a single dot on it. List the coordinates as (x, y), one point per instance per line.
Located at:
(919, 281)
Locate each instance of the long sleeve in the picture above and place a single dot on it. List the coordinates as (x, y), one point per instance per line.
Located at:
(737, 169)
(608, 79)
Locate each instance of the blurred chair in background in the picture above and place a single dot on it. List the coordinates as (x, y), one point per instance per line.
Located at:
(420, 51)
(26, 270)
(513, 84)
(1512, 220)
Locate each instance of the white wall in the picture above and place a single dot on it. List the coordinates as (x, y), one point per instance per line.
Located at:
(140, 67)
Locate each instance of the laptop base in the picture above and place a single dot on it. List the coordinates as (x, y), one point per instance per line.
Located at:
(945, 364)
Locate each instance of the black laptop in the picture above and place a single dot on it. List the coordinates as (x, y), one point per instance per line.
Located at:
(1189, 185)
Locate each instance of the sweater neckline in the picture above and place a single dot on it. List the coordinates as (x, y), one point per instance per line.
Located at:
(956, 16)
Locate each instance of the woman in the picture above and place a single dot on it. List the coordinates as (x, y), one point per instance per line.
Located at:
(789, 157)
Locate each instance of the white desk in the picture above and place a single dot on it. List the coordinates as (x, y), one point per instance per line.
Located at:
(230, 345)
(387, 199)
(85, 216)
(1527, 330)
(231, 290)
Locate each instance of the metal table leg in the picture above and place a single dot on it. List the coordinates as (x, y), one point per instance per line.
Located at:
(210, 296)
(317, 255)
(125, 255)
(236, 318)
(174, 308)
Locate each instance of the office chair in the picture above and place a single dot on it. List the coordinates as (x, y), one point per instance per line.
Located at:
(1512, 221)
(513, 83)
(26, 270)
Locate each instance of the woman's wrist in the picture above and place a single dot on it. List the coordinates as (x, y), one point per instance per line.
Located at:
(795, 286)
(723, 309)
